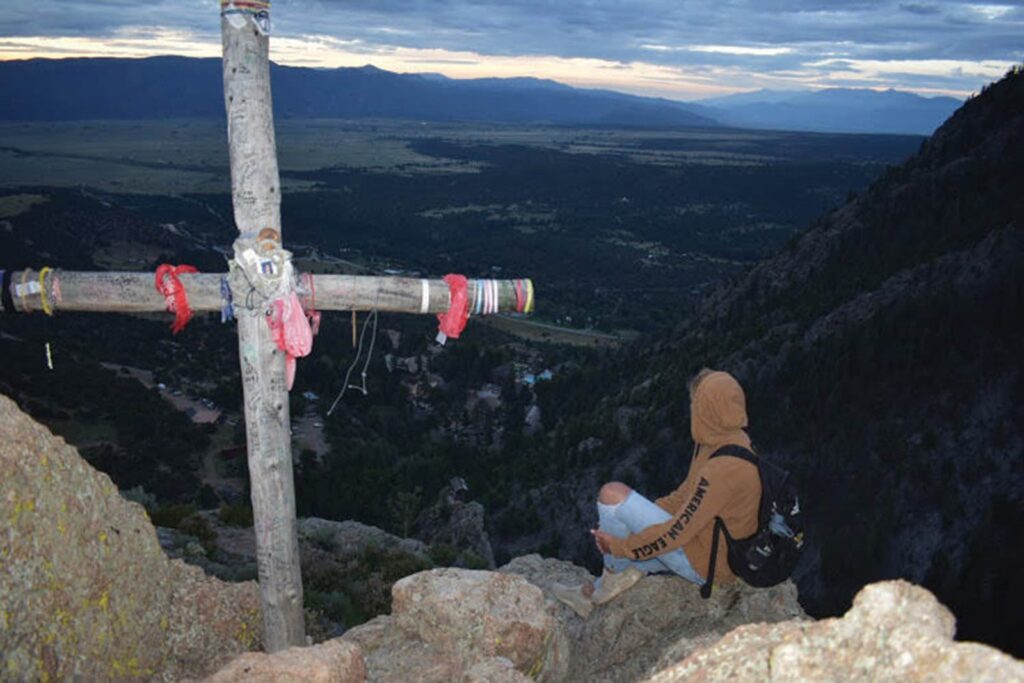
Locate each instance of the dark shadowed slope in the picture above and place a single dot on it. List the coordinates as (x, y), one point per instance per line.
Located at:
(881, 352)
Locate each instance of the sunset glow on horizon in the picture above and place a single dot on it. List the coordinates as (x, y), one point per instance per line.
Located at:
(607, 48)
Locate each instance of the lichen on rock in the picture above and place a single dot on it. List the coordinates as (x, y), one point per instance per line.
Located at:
(85, 589)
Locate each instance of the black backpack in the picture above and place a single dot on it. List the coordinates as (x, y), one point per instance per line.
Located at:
(768, 556)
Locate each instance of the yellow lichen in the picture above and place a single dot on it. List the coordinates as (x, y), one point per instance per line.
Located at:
(128, 669)
(538, 664)
(103, 537)
(20, 506)
(104, 601)
(246, 635)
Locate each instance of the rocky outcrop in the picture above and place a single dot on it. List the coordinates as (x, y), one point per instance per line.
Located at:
(456, 624)
(504, 627)
(333, 662)
(459, 524)
(350, 537)
(895, 631)
(659, 621)
(85, 589)
(449, 622)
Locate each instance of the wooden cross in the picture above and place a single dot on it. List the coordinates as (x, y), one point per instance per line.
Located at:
(255, 190)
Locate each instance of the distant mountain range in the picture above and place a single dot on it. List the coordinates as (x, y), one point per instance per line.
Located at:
(180, 87)
(834, 110)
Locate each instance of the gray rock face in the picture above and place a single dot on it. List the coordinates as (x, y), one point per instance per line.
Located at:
(895, 631)
(659, 621)
(85, 588)
(447, 623)
(332, 662)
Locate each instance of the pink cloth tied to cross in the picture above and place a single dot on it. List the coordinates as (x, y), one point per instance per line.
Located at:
(290, 330)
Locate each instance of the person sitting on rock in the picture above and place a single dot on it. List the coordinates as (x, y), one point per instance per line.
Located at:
(638, 537)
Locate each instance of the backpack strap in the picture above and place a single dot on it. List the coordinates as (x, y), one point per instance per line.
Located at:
(720, 528)
(705, 590)
(736, 452)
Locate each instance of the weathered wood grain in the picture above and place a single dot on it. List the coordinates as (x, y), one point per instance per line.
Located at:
(256, 198)
(136, 293)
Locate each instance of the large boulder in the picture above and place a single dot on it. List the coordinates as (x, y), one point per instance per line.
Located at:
(659, 621)
(895, 631)
(473, 614)
(86, 591)
(449, 623)
(333, 662)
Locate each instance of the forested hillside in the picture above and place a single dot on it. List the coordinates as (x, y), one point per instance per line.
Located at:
(881, 353)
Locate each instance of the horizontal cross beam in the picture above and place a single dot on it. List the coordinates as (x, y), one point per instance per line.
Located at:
(113, 292)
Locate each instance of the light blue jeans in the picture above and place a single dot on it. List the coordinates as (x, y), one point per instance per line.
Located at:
(634, 514)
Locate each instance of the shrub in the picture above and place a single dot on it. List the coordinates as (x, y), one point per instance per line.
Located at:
(236, 515)
(207, 498)
(334, 605)
(443, 555)
(171, 515)
(196, 525)
(137, 494)
(392, 565)
(471, 560)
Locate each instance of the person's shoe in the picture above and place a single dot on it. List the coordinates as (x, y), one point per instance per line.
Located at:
(574, 598)
(613, 583)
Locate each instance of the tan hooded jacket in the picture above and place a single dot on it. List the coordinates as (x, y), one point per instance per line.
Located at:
(725, 487)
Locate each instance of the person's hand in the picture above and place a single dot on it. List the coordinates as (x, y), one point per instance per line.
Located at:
(603, 539)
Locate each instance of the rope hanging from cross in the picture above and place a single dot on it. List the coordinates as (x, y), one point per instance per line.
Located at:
(259, 276)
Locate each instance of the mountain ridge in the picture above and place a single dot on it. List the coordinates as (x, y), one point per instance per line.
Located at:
(831, 110)
(168, 87)
(181, 87)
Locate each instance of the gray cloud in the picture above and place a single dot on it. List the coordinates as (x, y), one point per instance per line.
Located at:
(802, 31)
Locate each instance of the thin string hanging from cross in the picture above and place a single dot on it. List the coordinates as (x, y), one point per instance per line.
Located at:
(47, 308)
(355, 361)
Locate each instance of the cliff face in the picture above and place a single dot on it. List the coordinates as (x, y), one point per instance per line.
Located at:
(85, 589)
(881, 356)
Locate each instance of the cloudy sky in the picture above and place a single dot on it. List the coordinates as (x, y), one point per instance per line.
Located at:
(682, 49)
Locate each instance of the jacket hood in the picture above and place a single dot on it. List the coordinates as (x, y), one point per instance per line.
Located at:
(718, 411)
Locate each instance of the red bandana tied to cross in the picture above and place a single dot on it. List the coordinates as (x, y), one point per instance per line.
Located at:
(290, 329)
(453, 321)
(168, 284)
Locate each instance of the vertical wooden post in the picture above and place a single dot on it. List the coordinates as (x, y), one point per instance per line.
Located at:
(255, 191)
